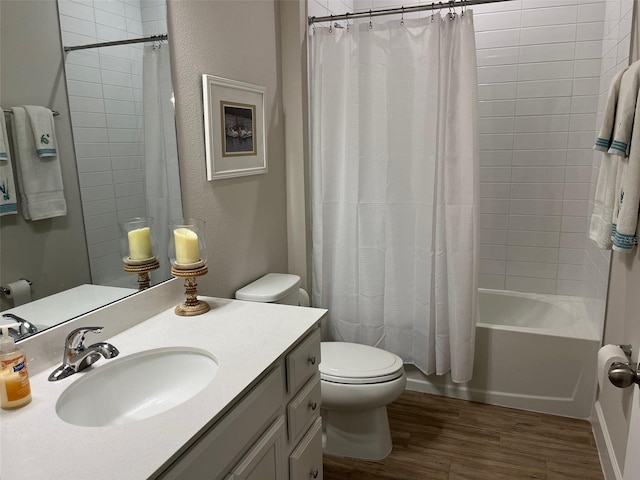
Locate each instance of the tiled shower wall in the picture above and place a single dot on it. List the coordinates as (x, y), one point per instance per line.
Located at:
(539, 65)
(539, 79)
(105, 98)
(615, 57)
(321, 8)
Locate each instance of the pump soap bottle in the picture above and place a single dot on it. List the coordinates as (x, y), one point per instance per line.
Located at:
(15, 391)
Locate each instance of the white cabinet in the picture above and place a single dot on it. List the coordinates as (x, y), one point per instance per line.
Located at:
(305, 461)
(273, 433)
(265, 460)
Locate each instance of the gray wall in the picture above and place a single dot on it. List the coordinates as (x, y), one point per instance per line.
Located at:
(246, 231)
(53, 252)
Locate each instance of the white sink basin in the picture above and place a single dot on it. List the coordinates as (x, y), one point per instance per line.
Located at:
(135, 387)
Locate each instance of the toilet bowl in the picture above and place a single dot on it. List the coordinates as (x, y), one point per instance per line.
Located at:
(357, 381)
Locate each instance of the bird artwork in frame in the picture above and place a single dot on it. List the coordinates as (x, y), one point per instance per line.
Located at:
(234, 122)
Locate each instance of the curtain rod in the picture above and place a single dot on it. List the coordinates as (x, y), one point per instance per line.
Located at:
(151, 38)
(391, 11)
(55, 113)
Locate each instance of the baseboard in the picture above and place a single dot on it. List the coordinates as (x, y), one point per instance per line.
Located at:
(610, 467)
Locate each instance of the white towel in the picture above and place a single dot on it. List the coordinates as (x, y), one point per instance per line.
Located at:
(4, 142)
(625, 110)
(605, 137)
(44, 130)
(600, 228)
(39, 180)
(8, 194)
(626, 218)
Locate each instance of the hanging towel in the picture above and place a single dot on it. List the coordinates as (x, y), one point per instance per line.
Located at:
(626, 216)
(8, 195)
(600, 228)
(4, 143)
(625, 111)
(605, 137)
(44, 131)
(39, 180)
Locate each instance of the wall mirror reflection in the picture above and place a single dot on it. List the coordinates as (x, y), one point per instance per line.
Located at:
(118, 154)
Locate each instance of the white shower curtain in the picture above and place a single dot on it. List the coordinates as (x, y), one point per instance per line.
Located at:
(162, 176)
(394, 180)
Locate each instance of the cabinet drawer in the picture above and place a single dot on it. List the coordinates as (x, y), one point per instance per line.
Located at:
(303, 361)
(305, 462)
(303, 408)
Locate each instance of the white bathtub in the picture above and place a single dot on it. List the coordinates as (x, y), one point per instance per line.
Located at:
(534, 352)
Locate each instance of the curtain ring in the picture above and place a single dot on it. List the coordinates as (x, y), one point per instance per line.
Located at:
(433, 9)
(330, 23)
(402, 17)
(370, 24)
(463, 8)
(452, 12)
(347, 20)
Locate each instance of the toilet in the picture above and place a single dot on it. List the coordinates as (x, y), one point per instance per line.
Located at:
(357, 381)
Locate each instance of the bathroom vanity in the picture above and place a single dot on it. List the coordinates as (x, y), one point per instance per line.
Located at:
(257, 419)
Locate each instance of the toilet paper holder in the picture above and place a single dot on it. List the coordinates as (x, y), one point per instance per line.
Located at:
(624, 374)
(7, 291)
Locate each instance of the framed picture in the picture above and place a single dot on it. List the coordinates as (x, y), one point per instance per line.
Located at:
(234, 128)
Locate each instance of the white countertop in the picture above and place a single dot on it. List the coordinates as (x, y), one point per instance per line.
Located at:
(244, 337)
(60, 307)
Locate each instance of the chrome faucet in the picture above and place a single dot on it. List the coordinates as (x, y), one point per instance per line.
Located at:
(26, 327)
(77, 356)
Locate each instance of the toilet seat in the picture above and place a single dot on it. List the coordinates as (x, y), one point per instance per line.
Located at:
(354, 364)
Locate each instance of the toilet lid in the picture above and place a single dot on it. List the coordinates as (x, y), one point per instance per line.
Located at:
(353, 363)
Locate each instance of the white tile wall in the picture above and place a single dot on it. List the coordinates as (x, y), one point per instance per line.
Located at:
(542, 68)
(105, 97)
(594, 272)
(549, 43)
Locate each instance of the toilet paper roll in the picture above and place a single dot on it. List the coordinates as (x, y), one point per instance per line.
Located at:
(606, 356)
(20, 292)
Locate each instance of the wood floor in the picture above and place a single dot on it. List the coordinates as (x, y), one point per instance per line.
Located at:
(438, 438)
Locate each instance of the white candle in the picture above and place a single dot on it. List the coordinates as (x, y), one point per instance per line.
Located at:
(187, 249)
(140, 244)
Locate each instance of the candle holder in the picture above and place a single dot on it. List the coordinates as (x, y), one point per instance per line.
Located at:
(138, 248)
(188, 256)
(144, 279)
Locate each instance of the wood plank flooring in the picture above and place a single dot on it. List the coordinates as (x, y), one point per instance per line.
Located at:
(439, 438)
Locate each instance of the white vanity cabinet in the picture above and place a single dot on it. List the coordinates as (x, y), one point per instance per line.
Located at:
(274, 432)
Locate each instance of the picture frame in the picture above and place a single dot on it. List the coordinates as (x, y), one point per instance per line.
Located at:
(234, 128)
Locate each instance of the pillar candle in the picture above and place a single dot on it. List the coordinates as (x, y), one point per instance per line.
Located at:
(140, 244)
(187, 249)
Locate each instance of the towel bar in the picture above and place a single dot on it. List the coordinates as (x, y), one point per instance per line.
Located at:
(55, 112)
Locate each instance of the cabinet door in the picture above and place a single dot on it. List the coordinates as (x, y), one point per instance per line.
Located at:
(305, 462)
(217, 450)
(266, 459)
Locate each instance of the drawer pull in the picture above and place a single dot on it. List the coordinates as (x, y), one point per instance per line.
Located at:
(312, 360)
(314, 473)
(313, 405)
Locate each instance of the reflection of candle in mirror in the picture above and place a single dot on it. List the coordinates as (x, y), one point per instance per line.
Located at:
(187, 250)
(140, 244)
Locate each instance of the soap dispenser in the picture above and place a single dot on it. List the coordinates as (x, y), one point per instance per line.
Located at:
(15, 391)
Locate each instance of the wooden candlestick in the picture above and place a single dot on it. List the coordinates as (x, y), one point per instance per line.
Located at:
(142, 269)
(191, 306)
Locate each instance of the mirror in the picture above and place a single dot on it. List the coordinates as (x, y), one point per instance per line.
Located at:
(116, 144)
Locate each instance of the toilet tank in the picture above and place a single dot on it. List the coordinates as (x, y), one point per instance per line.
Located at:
(272, 288)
